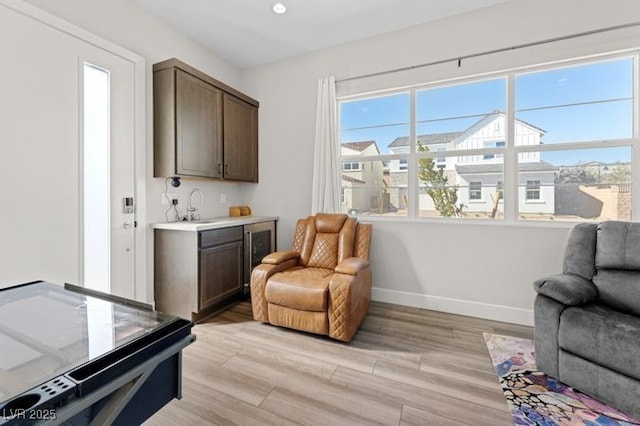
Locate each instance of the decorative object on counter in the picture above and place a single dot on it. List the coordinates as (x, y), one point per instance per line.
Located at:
(236, 211)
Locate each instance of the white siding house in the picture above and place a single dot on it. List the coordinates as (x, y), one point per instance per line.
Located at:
(362, 181)
(480, 177)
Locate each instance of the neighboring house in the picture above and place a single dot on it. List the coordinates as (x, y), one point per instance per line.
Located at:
(362, 181)
(480, 177)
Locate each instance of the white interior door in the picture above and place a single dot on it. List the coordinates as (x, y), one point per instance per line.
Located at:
(39, 160)
(42, 169)
(108, 170)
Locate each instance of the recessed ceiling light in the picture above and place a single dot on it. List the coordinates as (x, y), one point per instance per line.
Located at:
(279, 8)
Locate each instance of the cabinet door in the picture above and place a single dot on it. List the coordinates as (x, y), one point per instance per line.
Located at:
(220, 273)
(240, 140)
(198, 127)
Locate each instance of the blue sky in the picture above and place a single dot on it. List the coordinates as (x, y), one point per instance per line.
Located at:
(581, 103)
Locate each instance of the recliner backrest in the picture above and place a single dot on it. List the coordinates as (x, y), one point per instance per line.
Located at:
(324, 240)
(618, 245)
(617, 264)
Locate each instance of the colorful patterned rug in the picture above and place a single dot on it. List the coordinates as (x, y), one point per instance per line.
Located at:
(537, 399)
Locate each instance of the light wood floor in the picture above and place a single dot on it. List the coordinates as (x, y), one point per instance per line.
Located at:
(405, 366)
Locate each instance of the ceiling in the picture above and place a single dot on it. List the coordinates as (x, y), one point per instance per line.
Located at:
(246, 33)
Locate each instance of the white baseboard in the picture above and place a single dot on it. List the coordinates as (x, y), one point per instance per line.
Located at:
(455, 306)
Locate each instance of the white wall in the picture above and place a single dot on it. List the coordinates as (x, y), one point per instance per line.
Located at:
(477, 269)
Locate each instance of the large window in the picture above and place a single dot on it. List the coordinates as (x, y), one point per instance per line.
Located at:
(537, 144)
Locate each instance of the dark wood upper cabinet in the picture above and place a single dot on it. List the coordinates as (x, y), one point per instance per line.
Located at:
(240, 139)
(202, 127)
(198, 127)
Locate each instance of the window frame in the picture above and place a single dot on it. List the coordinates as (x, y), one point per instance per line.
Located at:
(533, 186)
(496, 144)
(475, 191)
(441, 161)
(511, 195)
(358, 167)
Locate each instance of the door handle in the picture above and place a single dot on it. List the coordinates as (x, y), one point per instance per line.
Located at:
(126, 225)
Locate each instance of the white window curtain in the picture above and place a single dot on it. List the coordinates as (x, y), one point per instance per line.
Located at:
(326, 184)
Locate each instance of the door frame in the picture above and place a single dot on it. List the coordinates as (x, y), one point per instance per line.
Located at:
(143, 290)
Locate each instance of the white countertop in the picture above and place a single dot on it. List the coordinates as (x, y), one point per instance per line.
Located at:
(212, 223)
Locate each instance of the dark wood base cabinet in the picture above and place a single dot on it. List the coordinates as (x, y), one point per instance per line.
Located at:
(220, 273)
(197, 273)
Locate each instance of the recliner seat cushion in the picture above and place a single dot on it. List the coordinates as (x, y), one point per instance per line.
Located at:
(305, 289)
(313, 322)
(603, 336)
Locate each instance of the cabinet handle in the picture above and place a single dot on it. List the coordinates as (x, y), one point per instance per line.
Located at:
(220, 168)
(226, 169)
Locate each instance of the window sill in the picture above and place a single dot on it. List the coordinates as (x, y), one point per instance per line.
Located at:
(430, 221)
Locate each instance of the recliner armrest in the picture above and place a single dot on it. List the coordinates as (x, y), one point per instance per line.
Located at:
(351, 266)
(278, 257)
(567, 289)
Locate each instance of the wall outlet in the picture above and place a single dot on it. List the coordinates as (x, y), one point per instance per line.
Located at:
(168, 198)
(223, 198)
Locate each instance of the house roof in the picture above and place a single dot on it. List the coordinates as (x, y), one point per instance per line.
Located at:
(489, 117)
(360, 146)
(537, 166)
(352, 179)
(443, 138)
(428, 139)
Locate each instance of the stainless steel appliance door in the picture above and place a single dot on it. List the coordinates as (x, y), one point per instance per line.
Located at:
(259, 240)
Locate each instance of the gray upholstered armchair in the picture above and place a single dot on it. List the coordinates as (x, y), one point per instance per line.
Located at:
(587, 319)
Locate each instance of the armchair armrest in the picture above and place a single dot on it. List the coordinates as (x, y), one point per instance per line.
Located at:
(567, 289)
(351, 266)
(279, 257)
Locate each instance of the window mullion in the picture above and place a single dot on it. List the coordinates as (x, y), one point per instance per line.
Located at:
(511, 156)
(413, 186)
(635, 152)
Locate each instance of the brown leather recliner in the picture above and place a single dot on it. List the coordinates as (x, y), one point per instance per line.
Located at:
(323, 284)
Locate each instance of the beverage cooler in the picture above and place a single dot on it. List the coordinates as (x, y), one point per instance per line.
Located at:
(259, 241)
